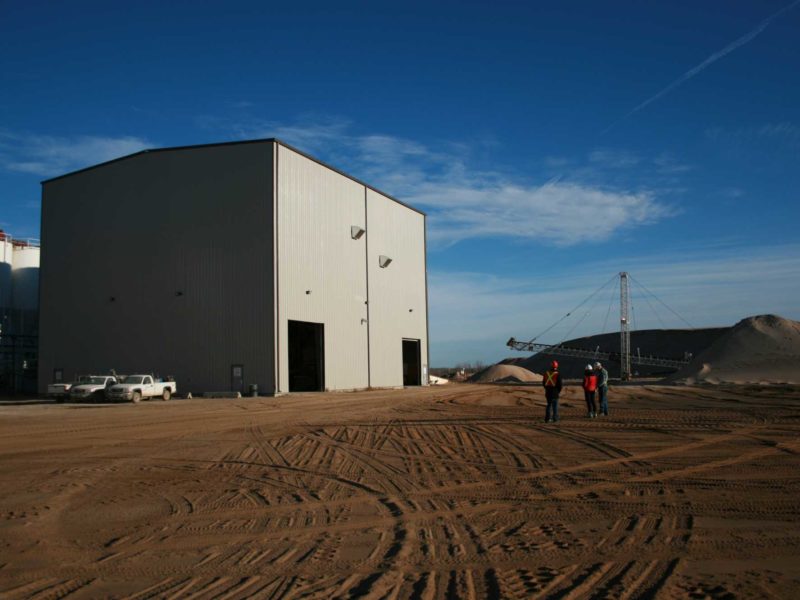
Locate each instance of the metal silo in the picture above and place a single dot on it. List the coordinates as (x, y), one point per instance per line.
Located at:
(6, 266)
(19, 344)
(25, 286)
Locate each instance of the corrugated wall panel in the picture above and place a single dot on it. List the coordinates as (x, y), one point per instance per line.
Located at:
(182, 241)
(397, 298)
(316, 208)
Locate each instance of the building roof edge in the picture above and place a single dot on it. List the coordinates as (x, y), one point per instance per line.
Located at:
(234, 143)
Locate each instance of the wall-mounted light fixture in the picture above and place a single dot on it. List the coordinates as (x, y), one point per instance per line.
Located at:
(356, 232)
(384, 261)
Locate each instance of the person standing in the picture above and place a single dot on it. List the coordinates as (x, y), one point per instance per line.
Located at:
(589, 387)
(552, 389)
(602, 388)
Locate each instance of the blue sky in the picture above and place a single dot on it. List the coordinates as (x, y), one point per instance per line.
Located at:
(552, 143)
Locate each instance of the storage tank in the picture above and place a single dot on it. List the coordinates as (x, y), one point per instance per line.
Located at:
(6, 262)
(25, 286)
(19, 311)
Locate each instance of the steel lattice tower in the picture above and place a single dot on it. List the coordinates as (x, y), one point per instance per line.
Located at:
(624, 328)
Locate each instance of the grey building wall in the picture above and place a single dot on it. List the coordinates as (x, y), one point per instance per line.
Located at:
(161, 261)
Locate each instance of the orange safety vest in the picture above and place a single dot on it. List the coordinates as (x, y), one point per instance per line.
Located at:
(590, 382)
(550, 378)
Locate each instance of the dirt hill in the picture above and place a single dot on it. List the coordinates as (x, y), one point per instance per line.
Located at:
(505, 373)
(665, 343)
(760, 349)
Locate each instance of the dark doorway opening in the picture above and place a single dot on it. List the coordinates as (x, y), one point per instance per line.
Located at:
(306, 356)
(411, 363)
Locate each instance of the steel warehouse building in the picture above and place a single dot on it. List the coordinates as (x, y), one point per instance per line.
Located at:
(229, 265)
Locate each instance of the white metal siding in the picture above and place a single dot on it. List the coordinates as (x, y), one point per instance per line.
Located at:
(316, 208)
(182, 240)
(397, 302)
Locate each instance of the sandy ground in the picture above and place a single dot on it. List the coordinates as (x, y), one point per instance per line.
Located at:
(449, 492)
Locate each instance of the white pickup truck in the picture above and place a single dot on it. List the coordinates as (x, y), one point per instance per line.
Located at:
(60, 391)
(136, 387)
(93, 387)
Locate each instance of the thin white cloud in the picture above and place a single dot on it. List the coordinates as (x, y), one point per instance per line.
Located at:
(767, 144)
(784, 131)
(667, 164)
(733, 192)
(697, 69)
(465, 202)
(315, 136)
(46, 156)
(706, 286)
(557, 162)
(553, 212)
(613, 158)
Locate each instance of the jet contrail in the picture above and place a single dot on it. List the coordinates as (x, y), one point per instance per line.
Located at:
(706, 63)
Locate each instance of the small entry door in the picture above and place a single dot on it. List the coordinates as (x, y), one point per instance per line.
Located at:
(237, 378)
(306, 356)
(412, 372)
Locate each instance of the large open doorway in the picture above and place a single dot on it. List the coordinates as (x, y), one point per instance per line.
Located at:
(411, 363)
(306, 356)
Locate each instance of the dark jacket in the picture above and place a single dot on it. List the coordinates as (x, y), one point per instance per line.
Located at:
(602, 379)
(553, 378)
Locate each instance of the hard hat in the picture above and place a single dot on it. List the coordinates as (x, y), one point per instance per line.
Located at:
(554, 364)
(588, 367)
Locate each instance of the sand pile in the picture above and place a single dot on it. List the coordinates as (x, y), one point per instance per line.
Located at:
(501, 373)
(761, 349)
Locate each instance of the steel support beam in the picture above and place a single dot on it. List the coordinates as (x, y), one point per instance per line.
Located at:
(624, 329)
(559, 350)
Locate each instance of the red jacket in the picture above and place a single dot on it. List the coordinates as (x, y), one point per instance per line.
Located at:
(590, 382)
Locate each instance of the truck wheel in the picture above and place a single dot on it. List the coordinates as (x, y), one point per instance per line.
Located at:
(166, 394)
(136, 397)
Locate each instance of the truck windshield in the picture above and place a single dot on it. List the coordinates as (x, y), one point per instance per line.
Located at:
(134, 379)
(97, 380)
